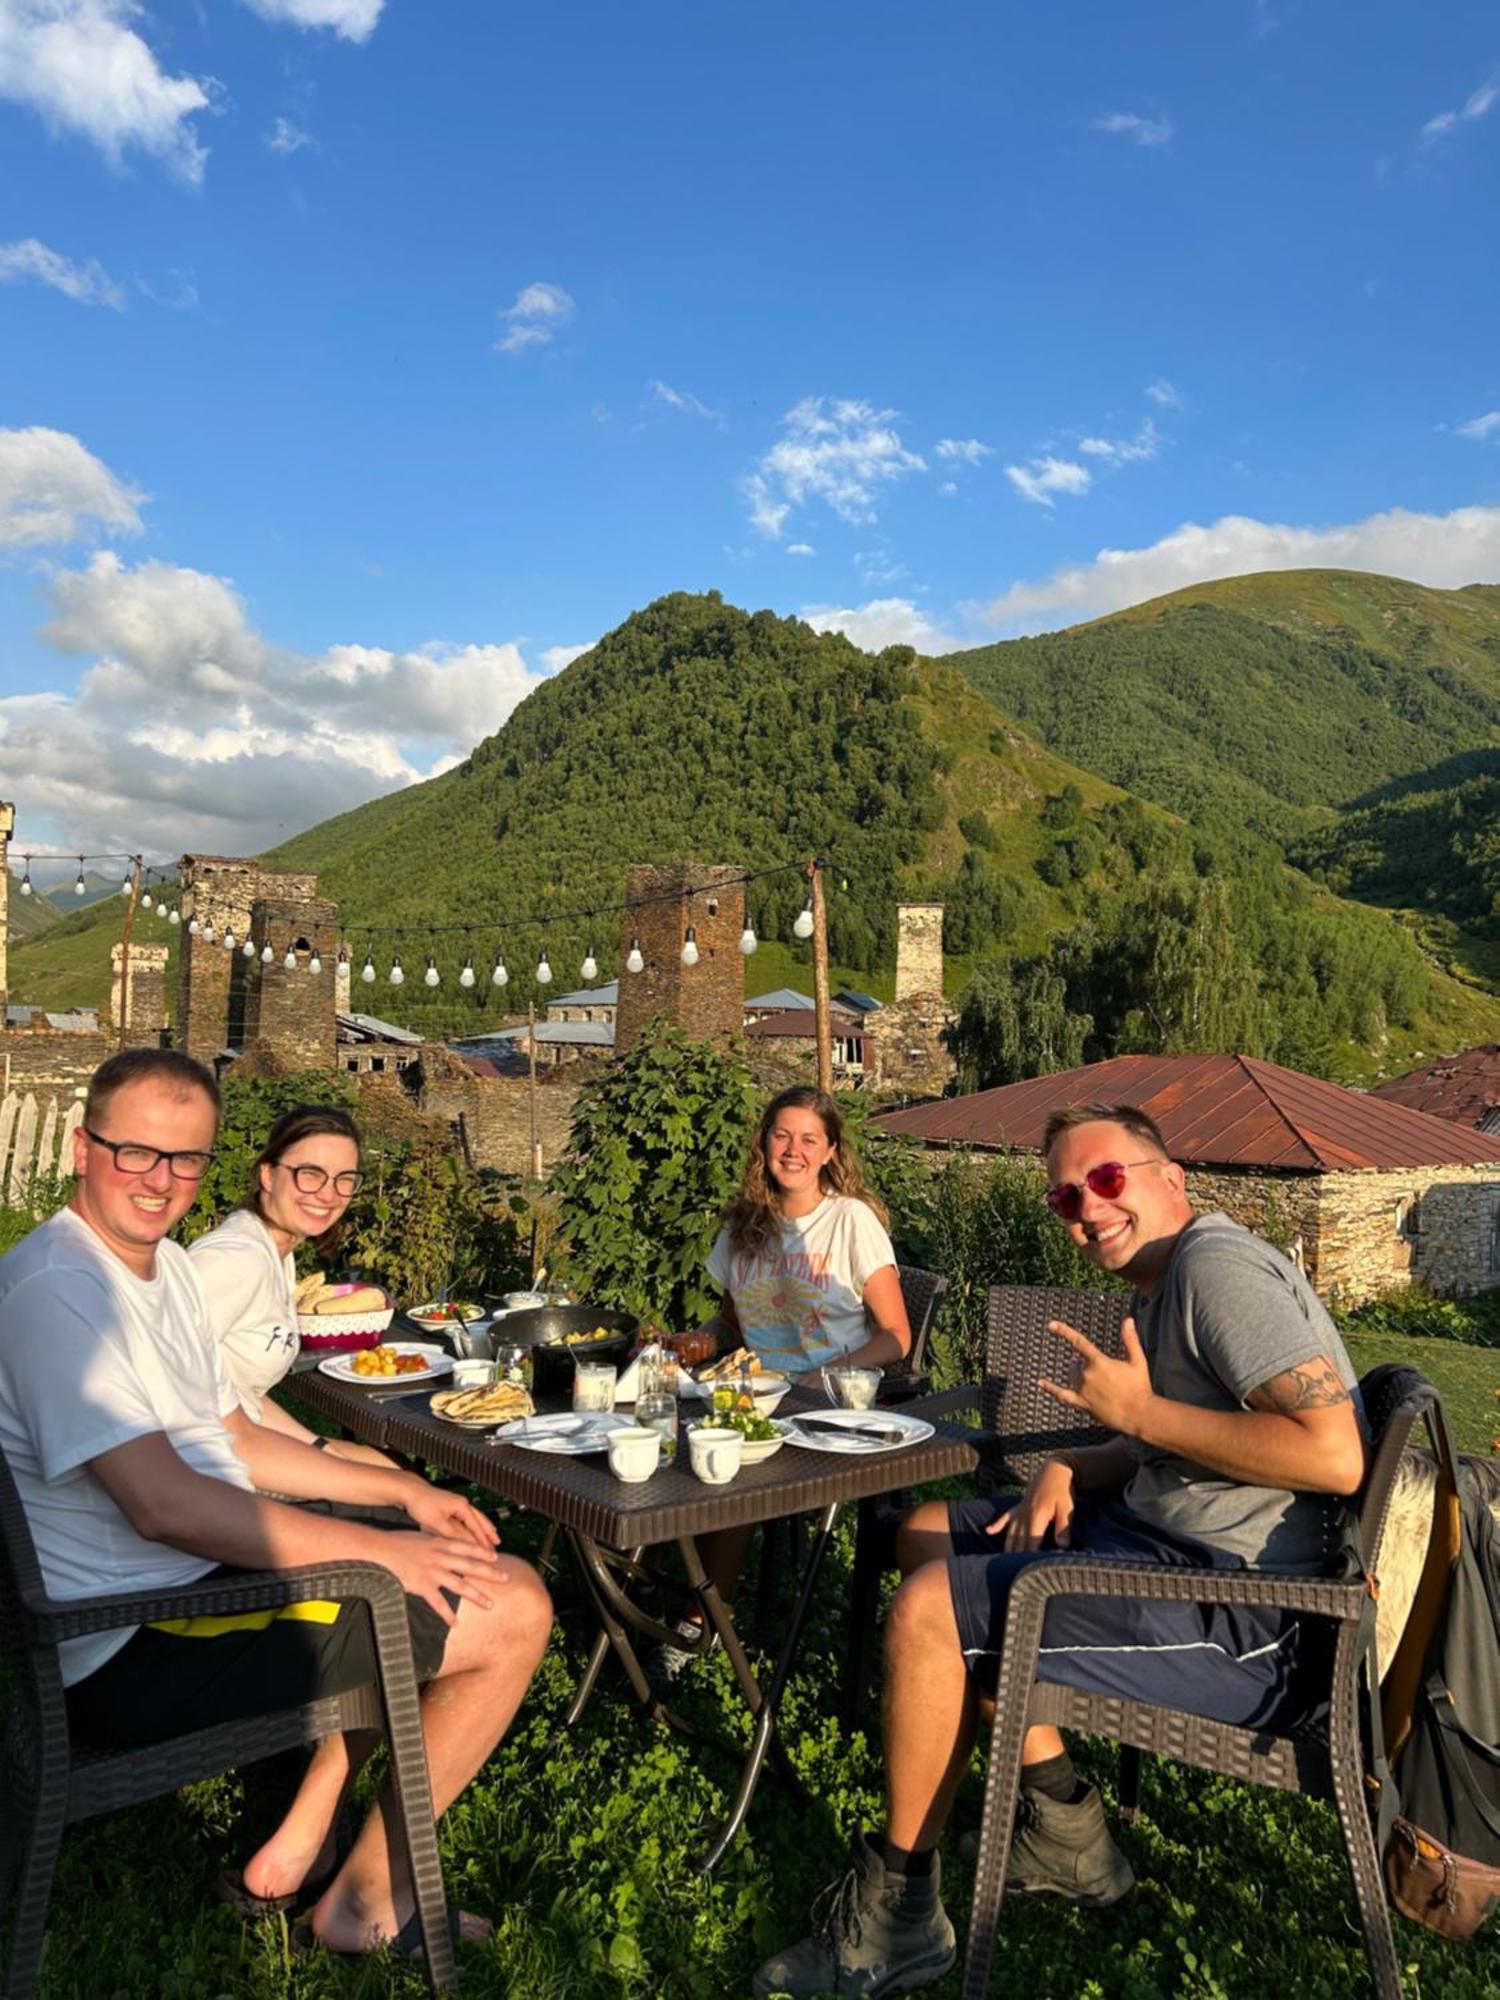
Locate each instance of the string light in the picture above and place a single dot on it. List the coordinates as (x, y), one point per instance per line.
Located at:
(803, 927)
(543, 970)
(367, 971)
(208, 931)
(397, 976)
(145, 899)
(315, 965)
(432, 977)
(690, 947)
(634, 962)
(174, 915)
(500, 976)
(126, 883)
(80, 887)
(289, 963)
(748, 939)
(466, 977)
(193, 926)
(228, 939)
(250, 947)
(589, 970)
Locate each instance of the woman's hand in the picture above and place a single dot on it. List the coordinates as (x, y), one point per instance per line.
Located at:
(1045, 1507)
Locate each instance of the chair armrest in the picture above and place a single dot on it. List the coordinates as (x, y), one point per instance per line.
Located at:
(1104, 1576)
(947, 1402)
(52, 1620)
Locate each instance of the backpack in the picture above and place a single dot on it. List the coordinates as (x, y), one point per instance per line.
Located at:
(1435, 1734)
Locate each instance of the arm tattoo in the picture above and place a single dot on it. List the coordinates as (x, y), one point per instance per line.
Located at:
(1312, 1385)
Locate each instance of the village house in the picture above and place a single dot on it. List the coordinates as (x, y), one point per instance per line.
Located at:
(1367, 1194)
(1464, 1088)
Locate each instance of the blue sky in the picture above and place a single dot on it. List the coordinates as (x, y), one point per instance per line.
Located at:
(361, 360)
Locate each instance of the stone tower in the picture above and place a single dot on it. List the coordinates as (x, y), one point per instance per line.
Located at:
(7, 827)
(226, 1000)
(919, 950)
(138, 1003)
(706, 1000)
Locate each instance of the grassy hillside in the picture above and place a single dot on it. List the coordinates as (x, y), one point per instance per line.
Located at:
(1276, 698)
(27, 916)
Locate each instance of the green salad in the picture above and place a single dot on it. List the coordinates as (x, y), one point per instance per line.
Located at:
(750, 1424)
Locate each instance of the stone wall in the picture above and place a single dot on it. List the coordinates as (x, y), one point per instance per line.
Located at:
(291, 1009)
(493, 1113)
(1439, 1225)
(706, 1000)
(50, 1062)
(919, 949)
(905, 1052)
(214, 985)
(139, 1011)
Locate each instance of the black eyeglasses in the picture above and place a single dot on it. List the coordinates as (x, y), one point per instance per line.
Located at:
(312, 1180)
(188, 1165)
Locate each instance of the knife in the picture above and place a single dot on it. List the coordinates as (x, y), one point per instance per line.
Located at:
(886, 1435)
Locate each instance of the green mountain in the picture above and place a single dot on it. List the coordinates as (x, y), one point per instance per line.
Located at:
(699, 730)
(27, 916)
(1277, 699)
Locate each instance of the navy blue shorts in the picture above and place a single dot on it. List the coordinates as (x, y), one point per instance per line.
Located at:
(1252, 1668)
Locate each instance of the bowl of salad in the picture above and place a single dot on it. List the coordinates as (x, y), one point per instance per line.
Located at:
(443, 1315)
(761, 1434)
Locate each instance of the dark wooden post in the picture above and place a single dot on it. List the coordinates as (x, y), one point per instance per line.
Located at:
(135, 896)
(820, 979)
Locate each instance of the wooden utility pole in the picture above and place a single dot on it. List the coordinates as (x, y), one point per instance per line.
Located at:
(130, 908)
(536, 1144)
(820, 979)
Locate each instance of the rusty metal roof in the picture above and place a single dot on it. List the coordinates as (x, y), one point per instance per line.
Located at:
(1462, 1087)
(1214, 1111)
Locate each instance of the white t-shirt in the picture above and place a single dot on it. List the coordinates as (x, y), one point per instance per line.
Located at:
(800, 1300)
(250, 1292)
(92, 1356)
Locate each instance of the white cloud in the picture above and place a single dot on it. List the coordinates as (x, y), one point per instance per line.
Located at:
(1474, 106)
(685, 400)
(538, 312)
(1124, 451)
(834, 449)
(53, 490)
(190, 728)
(1142, 131)
(83, 67)
(968, 451)
(285, 137)
(1044, 477)
(1444, 550)
(89, 284)
(801, 549)
(884, 621)
(1166, 395)
(354, 20)
(555, 658)
(1479, 428)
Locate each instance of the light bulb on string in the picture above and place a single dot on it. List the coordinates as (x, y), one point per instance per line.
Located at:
(803, 927)
(229, 940)
(145, 899)
(26, 878)
(209, 932)
(174, 915)
(80, 887)
(690, 947)
(432, 977)
(367, 970)
(396, 975)
(250, 948)
(266, 952)
(500, 976)
(314, 964)
(289, 963)
(748, 939)
(125, 883)
(590, 966)
(633, 961)
(543, 970)
(466, 977)
(193, 927)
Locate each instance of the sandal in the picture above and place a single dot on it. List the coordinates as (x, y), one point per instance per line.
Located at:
(229, 1885)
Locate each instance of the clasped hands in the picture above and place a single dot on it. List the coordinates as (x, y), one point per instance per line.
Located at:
(1116, 1394)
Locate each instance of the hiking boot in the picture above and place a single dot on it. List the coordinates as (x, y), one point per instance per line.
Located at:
(665, 1665)
(875, 1933)
(1061, 1850)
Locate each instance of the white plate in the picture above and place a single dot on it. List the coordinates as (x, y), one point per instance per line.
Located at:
(569, 1433)
(340, 1367)
(913, 1431)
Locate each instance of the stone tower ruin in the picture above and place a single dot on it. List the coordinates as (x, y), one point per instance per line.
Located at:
(138, 995)
(228, 1001)
(706, 1000)
(919, 950)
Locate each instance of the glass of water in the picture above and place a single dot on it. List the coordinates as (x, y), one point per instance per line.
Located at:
(657, 1411)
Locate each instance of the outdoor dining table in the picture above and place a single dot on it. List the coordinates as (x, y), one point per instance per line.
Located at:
(609, 1525)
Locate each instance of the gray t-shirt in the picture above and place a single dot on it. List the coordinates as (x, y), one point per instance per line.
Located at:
(1230, 1313)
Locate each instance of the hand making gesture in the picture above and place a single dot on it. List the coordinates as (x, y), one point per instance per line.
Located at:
(1116, 1394)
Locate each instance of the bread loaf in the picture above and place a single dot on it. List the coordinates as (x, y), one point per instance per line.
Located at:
(368, 1298)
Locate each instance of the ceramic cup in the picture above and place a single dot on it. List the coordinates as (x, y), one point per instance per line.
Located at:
(715, 1454)
(634, 1455)
(473, 1373)
(852, 1388)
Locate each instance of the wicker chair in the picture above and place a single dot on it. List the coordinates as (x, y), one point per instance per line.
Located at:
(922, 1295)
(48, 1782)
(1327, 1764)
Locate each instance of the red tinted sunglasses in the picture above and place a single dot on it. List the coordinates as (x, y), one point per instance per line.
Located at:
(1107, 1180)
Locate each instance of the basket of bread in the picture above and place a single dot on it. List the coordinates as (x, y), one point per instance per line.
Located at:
(338, 1318)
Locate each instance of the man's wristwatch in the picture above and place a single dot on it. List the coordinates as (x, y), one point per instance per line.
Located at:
(321, 1444)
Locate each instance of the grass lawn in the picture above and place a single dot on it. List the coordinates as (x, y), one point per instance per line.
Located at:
(582, 1850)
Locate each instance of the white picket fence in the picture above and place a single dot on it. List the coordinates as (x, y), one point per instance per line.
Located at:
(34, 1142)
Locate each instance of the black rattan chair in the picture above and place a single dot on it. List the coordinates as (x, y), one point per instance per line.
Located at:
(48, 1781)
(1327, 1764)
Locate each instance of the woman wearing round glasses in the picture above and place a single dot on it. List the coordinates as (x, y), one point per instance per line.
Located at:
(303, 1182)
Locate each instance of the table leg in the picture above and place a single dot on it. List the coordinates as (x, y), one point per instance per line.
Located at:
(864, 1597)
(763, 1705)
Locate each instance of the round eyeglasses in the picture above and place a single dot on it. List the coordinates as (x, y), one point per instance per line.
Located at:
(1107, 1180)
(312, 1180)
(132, 1159)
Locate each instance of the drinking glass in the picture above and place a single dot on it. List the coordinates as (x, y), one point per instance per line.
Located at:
(852, 1388)
(513, 1364)
(594, 1385)
(657, 1411)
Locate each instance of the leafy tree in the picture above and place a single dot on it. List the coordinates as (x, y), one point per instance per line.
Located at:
(1014, 1022)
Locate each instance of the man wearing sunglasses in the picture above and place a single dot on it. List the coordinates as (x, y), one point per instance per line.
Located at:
(140, 1471)
(1236, 1432)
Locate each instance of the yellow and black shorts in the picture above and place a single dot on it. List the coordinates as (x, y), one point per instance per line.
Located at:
(187, 1674)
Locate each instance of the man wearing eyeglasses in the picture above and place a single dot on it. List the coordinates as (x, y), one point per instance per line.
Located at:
(139, 1470)
(1236, 1432)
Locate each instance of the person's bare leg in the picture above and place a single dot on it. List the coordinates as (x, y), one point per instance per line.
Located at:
(930, 1709)
(488, 1663)
(302, 1847)
(923, 1537)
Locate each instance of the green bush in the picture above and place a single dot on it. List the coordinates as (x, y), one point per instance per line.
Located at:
(41, 1197)
(1412, 1309)
(657, 1148)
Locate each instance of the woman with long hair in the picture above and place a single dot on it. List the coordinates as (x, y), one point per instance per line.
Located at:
(804, 1260)
(302, 1184)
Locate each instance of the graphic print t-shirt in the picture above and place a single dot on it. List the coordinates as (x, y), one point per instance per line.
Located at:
(800, 1299)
